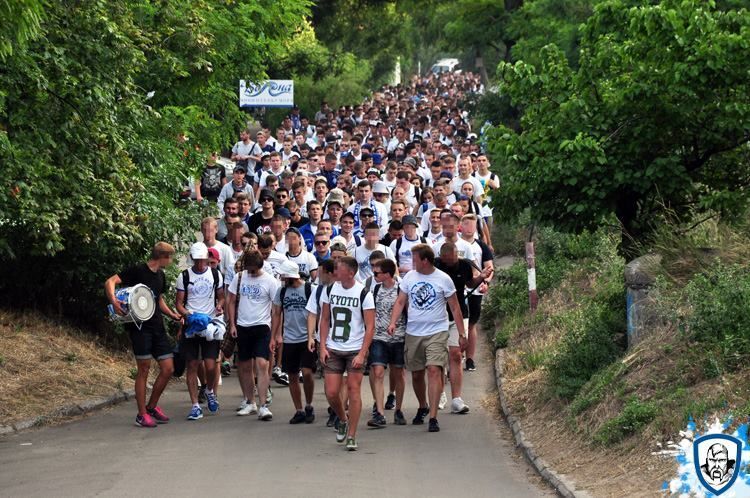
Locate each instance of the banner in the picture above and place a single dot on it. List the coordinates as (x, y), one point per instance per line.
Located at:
(271, 93)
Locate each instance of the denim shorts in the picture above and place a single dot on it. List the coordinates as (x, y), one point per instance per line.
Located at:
(387, 353)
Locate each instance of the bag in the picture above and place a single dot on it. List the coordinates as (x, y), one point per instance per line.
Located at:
(186, 283)
(422, 240)
(179, 361)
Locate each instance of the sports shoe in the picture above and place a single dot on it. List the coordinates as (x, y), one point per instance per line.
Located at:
(443, 401)
(248, 409)
(158, 414)
(269, 396)
(419, 417)
(243, 404)
(195, 413)
(264, 413)
(458, 406)
(374, 410)
(351, 444)
(226, 369)
(145, 420)
(434, 426)
(309, 415)
(390, 402)
(213, 403)
(202, 394)
(331, 418)
(398, 418)
(470, 367)
(298, 418)
(279, 377)
(377, 421)
(341, 432)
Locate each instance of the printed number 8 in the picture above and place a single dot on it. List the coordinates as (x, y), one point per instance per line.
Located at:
(342, 318)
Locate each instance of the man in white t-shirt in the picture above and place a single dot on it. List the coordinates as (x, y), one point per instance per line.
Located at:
(426, 291)
(362, 253)
(200, 298)
(449, 223)
(401, 247)
(347, 326)
(249, 307)
(308, 265)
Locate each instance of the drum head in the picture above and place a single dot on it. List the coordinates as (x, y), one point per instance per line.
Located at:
(142, 303)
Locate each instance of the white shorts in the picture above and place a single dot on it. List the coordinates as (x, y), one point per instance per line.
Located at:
(453, 333)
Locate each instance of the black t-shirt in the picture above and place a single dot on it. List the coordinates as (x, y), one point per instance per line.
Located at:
(461, 274)
(259, 225)
(157, 282)
(211, 181)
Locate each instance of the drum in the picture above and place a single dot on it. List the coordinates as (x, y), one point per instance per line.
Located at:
(137, 301)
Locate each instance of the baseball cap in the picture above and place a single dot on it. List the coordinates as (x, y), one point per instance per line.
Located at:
(374, 171)
(199, 250)
(446, 174)
(288, 269)
(336, 196)
(213, 253)
(240, 169)
(410, 219)
(366, 210)
(377, 158)
(380, 188)
(265, 193)
(410, 161)
(294, 230)
(282, 211)
(338, 246)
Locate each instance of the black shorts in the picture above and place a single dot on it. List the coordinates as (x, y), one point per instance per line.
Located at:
(149, 344)
(198, 348)
(253, 342)
(475, 308)
(386, 353)
(295, 357)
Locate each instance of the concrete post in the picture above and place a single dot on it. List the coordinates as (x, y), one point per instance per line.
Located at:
(640, 275)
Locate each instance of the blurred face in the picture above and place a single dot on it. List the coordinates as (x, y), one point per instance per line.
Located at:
(468, 228)
(379, 274)
(449, 225)
(399, 194)
(343, 272)
(238, 177)
(450, 258)
(267, 203)
(200, 265)
(396, 233)
(249, 243)
(483, 163)
(213, 262)
(277, 227)
(265, 252)
(381, 198)
(403, 183)
(293, 241)
(209, 231)
(458, 210)
(366, 218)
(302, 166)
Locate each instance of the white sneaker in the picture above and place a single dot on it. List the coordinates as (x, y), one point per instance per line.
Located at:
(458, 406)
(264, 413)
(242, 405)
(443, 401)
(269, 396)
(249, 409)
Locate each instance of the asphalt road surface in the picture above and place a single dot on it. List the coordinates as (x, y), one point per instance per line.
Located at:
(105, 454)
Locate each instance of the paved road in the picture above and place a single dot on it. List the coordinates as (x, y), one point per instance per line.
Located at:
(225, 455)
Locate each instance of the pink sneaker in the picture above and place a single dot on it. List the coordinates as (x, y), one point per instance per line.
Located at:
(145, 420)
(158, 414)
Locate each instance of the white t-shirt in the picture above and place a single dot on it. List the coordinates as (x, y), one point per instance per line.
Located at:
(251, 149)
(427, 296)
(271, 264)
(200, 292)
(254, 302)
(462, 247)
(403, 257)
(362, 255)
(306, 261)
(226, 256)
(478, 189)
(347, 326)
(434, 238)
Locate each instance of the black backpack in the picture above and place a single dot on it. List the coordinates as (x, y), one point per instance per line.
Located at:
(399, 242)
(186, 283)
(362, 296)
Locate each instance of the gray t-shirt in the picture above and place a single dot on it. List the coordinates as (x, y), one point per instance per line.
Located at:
(294, 313)
(385, 300)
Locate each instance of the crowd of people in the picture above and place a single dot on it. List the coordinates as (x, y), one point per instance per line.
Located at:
(356, 240)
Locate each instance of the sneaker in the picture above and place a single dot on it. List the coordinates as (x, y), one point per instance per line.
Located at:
(458, 406)
(470, 367)
(265, 414)
(269, 396)
(145, 420)
(419, 417)
(374, 410)
(243, 404)
(390, 402)
(279, 377)
(377, 421)
(309, 415)
(443, 401)
(298, 418)
(202, 395)
(158, 414)
(226, 369)
(195, 413)
(248, 409)
(434, 426)
(331, 418)
(213, 403)
(351, 444)
(398, 418)
(341, 432)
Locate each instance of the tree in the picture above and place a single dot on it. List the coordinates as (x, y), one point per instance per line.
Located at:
(656, 117)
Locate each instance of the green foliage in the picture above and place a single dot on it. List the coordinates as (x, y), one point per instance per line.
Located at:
(719, 317)
(655, 116)
(597, 387)
(635, 415)
(19, 23)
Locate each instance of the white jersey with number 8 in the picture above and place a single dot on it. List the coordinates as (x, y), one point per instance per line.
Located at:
(347, 328)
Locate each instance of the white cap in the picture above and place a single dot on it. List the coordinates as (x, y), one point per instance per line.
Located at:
(199, 251)
(380, 187)
(288, 269)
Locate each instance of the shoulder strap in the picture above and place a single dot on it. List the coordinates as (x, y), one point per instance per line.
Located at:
(368, 282)
(357, 241)
(422, 239)
(215, 274)
(308, 290)
(398, 249)
(281, 296)
(318, 294)
(375, 291)
(185, 284)
(362, 296)
(237, 296)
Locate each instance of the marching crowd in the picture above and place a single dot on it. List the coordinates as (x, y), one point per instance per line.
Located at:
(356, 240)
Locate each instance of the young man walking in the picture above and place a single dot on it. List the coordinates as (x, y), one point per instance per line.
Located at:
(150, 341)
(347, 325)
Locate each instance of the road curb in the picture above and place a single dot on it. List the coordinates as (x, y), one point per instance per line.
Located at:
(564, 486)
(71, 410)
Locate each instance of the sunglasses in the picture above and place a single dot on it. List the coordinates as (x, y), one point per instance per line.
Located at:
(321, 242)
(266, 199)
(367, 215)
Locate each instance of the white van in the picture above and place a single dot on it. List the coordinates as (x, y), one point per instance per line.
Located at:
(445, 65)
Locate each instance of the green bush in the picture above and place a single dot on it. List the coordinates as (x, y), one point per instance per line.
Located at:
(634, 416)
(719, 316)
(595, 389)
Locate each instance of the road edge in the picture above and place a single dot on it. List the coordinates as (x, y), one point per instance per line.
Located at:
(562, 485)
(72, 410)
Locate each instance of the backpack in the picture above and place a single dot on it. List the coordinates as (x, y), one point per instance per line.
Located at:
(186, 283)
(362, 296)
(399, 242)
(308, 291)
